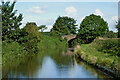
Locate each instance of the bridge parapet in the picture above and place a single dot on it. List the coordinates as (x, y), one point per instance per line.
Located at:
(69, 37)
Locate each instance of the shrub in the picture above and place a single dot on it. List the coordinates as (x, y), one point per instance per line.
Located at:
(11, 51)
(110, 34)
(110, 46)
(76, 41)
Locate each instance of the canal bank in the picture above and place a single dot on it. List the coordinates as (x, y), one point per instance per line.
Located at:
(104, 62)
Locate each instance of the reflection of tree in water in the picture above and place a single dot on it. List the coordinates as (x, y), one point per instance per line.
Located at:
(63, 62)
(91, 69)
(31, 64)
(27, 67)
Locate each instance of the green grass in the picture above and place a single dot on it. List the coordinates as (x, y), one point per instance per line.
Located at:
(51, 42)
(91, 54)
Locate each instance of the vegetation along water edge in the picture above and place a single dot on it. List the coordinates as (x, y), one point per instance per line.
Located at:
(98, 54)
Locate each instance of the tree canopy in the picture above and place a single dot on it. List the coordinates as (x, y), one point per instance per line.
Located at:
(118, 28)
(91, 27)
(64, 25)
(10, 22)
(32, 37)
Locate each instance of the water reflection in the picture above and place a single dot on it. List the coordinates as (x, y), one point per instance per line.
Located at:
(51, 64)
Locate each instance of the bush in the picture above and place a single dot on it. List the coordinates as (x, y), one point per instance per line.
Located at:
(11, 51)
(110, 46)
(55, 34)
(110, 34)
(76, 41)
(65, 39)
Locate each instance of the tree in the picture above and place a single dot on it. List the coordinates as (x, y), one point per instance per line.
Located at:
(64, 25)
(118, 28)
(42, 28)
(32, 38)
(10, 22)
(91, 27)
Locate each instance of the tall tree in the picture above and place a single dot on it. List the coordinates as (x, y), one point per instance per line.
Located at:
(65, 25)
(10, 22)
(91, 27)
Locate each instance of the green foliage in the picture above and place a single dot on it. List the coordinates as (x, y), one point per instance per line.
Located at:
(11, 51)
(64, 25)
(0, 25)
(55, 33)
(18, 41)
(65, 39)
(90, 54)
(10, 22)
(118, 27)
(110, 34)
(14, 51)
(42, 28)
(91, 27)
(110, 46)
(76, 41)
(32, 38)
(48, 42)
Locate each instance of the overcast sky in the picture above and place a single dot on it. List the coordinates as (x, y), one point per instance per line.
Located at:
(45, 13)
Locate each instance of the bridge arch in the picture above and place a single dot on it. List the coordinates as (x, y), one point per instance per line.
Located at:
(69, 37)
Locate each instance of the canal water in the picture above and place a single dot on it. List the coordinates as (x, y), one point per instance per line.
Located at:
(52, 64)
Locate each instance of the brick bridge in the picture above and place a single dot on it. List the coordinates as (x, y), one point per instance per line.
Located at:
(69, 37)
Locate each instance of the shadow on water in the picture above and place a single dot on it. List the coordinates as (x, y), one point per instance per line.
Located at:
(53, 63)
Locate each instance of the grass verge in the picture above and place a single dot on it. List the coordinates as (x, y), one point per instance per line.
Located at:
(91, 55)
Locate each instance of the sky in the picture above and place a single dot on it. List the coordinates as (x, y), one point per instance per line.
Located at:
(46, 13)
(65, 0)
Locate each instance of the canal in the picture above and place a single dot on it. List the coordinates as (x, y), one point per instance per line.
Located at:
(52, 64)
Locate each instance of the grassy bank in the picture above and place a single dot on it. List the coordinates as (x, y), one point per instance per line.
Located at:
(93, 54)
(15, 52)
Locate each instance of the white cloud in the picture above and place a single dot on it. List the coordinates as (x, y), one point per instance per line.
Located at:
(112, 23)
(49, 27)
(99, 12)
(115, 18)
(71, 11)
(36, 9)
